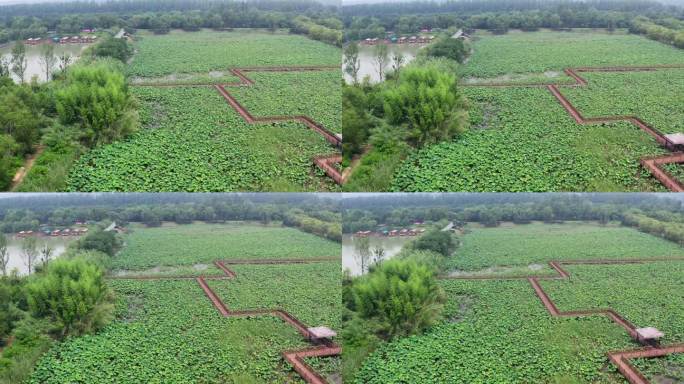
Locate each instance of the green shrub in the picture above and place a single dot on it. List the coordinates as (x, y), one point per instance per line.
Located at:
(453, 49)
(96, 97)
(401, 297)
(31, 341)
(73, 294)
(51, 168)
(115, 48)
(105, 242)
(441, 242)
(426, 102)
(9, 313)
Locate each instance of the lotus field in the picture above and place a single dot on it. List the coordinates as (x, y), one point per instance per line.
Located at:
(498, 330)
(538, 52)
(193, 139)
(204, 51)
(523, 139)
(168, 330)
(538, 243)
(177, 245)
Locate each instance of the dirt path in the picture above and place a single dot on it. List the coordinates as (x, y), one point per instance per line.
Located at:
(10, 340)
(296, 358)
(619, 358)
(652, 164)
(23, 171)
(324, 162)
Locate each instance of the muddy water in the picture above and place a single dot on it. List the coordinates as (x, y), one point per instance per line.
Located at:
(58, 245)
(34, 67)
(351, 261)
(370, 68)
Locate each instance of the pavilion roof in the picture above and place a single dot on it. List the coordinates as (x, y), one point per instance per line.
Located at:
(649, 333)
(321, 332)
(676, 138)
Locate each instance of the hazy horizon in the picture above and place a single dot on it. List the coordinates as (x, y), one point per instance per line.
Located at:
(16, 2)
(343, 2)
(357, 2)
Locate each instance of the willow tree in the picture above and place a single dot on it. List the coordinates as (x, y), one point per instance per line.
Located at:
(48, 59)
(363, 252)
(426, 102)
(399, 296)
(73, 294)
(352, 64)
(96, 97)
(18, 60)
(29, 252)
(4, 254)
(380, 56)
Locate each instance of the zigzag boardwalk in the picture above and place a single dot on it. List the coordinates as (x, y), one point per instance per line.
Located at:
(619, 358)
(294, 357)
(324, 162)
(652, 164)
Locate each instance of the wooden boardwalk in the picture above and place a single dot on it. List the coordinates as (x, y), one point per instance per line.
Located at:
(619, 358)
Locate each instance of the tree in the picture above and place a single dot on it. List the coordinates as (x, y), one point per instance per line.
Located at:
(4, 67)
(362, 248)
(10, 294)
(380, 58)
(4, 254)
(97, 97)
(352, 64)
(45, 254)
(72, 293)
(105, 242)
(489, 218)
(356, 121)
(426, 101)
(397, 61)
(47, 59)
(158, 26)
(20, 117)
(378, 254)
(19, 62)
(400, 297)
(679, 40)
(453, 49)
(29, 251)
(112, 47)
(441, 242)
(150, 218)
(64, 61)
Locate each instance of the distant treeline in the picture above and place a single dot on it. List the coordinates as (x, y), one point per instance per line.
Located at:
(664, 224)
(119, 6)
(478, 6)
(667, 30)
(493, 212)
(45, 203)
(318, 21)
(319, 217)
(363, 21)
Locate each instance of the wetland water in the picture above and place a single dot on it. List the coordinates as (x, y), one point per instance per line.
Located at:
(58, 245)
(369, 67)
(34, 67)
(391, 245)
